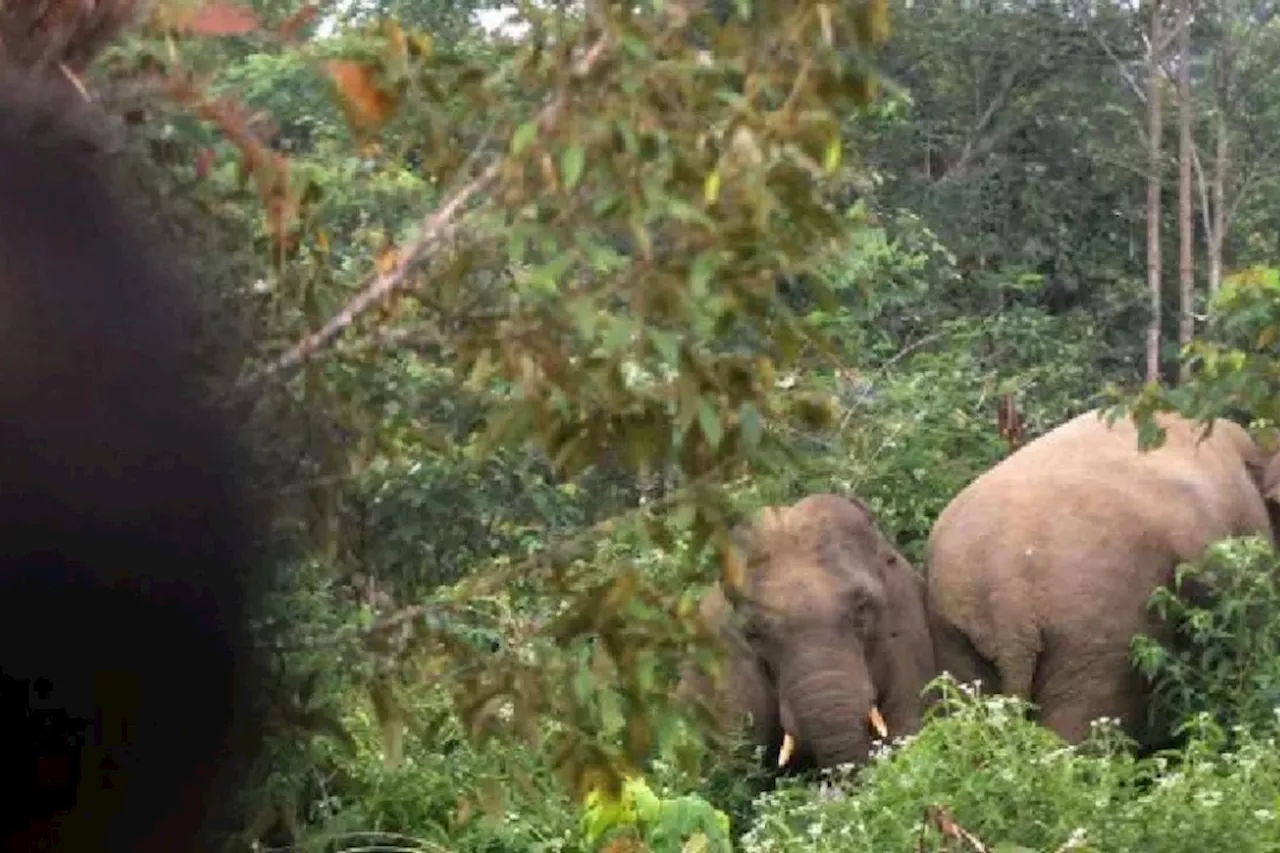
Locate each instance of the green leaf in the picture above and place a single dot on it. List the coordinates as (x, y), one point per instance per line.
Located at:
(523, 137)
(750, 425)
(646, 804)
(709, 421)
(685, 212)
(700, 273)
(572, 162)
(666, 344)
(611, 716)
(711, 186)
(831, 161)
(618, 334)
(517, 243)
(546, 278)
(603, 813)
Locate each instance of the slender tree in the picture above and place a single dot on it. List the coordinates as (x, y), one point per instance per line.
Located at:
(1155, 129)
(1186, 152)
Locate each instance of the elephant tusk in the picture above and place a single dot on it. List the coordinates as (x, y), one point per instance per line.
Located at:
(877, 722)
(788, 747)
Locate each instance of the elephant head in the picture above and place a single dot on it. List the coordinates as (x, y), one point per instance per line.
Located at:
(826, 639)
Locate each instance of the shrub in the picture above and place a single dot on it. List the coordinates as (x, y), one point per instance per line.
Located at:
(984, 773)
(661, 825)
(1225, 662)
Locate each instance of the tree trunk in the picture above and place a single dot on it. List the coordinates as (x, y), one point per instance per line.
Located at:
(1218, 188)
(1223, 72)
(1155, 128)
(1186, 234)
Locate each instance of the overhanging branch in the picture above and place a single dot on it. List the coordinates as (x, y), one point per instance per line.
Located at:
(436, 230)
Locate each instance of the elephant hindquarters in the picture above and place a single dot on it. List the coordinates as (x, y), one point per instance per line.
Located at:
(1083, 679)
(985, 631)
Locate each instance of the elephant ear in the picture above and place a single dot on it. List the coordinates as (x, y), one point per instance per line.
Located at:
(746, 691)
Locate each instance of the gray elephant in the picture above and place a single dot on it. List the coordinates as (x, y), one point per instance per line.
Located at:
(827, 639)
(1040, 570)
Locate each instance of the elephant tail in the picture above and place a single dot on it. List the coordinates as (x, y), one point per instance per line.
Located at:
(1016, 660)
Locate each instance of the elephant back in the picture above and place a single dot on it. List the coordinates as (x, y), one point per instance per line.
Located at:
(1197, 486)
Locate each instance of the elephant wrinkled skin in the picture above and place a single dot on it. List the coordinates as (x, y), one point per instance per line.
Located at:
(1039, 571)
(827, 639)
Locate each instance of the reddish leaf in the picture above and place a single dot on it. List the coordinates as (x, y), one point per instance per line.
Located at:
(219, 18)
(204, 161)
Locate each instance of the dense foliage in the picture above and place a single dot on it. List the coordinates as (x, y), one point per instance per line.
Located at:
(555, 307)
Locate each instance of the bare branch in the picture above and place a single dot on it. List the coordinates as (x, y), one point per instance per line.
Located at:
(942, 820)
(1129, 79)
(971, 146)
(436, 230)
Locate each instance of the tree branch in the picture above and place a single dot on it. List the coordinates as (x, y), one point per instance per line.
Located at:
(436, 230)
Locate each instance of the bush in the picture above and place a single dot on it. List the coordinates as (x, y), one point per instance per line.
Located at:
(1225, 663)
(664, 825)
(984, 771)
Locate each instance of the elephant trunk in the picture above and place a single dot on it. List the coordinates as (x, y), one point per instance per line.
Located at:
(828, 708)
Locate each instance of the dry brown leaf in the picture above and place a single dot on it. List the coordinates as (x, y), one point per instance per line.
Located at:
(624, 844)
(366, 104)
(387, 260)
(288, 31)
(733, 573)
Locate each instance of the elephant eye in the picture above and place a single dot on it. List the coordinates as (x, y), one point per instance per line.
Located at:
(863, 612)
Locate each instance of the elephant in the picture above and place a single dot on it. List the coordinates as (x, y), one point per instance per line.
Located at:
(826, 638)
(1039, 571)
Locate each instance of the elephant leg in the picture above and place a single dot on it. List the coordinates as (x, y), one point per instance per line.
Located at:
(999, 649)
(954, 653)
(1082, 680)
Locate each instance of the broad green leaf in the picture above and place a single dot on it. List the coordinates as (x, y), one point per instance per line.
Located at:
(619, 333)
(709, 421)
(547, 277)
(572, 162)
(517, 244)
(711, 186)
(610, 710)
(831, 161)
(667, 345)
(523, 137)
(700, 272)
(751, 426)
(646, 804)
(685, 212)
